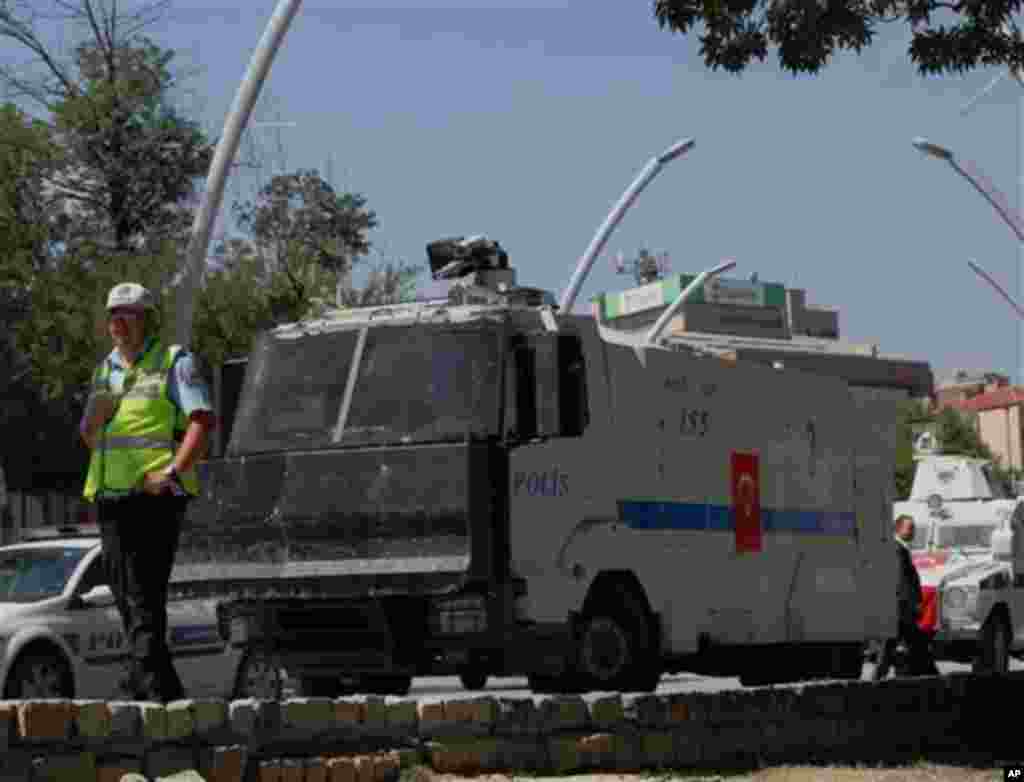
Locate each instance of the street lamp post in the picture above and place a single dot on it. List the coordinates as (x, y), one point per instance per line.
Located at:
(238, 117)
(615, 216)
(979, 181)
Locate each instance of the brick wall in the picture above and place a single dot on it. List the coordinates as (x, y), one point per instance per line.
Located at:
(370, 739)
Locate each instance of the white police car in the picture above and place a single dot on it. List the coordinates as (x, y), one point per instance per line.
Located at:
(61, 635)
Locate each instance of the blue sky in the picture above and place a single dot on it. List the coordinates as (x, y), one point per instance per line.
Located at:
(526, 122)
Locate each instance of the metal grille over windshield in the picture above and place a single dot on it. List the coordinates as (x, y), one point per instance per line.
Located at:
(293, 389)
(415, 384)
(426, 384)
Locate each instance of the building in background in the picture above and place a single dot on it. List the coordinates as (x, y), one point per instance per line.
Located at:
(996, 414)
(767, 323)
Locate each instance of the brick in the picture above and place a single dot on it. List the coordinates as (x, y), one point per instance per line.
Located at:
(17, 765)
(154, 721)
(563, 713)
(48, 720)
(607, 712)
(431, 719)
(92, 719)
(114, 772)
(314, 770)
(341, 769)
(164, 761)
(180, 721)
(517, 717)
(242, 717)
(309, 716)
(225, 764)
(645, 711)
(408, 757)
(471, 716)
(401, 716)
(469, 756)
(349, 714)
(657, 749)
(678, 710)
(565, 754)
(386, 767)
(523, 754)
(8, 719)
(71, 767)
(687, 747)
(269, 771)
(208, 716)
(291, 770)
(364, 768)
(125, 719)
(600, 751)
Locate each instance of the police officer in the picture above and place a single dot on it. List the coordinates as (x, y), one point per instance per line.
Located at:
(147, 423)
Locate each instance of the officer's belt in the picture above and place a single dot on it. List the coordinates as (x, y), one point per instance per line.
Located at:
(125, 441)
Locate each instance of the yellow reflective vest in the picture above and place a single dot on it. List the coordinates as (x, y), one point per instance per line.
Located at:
(140, 438)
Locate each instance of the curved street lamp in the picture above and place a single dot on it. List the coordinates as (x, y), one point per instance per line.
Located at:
(978, 180)
(615, 216)
(998, 288)
(227, 147)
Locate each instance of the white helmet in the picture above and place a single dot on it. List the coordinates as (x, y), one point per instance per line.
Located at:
(130, 294)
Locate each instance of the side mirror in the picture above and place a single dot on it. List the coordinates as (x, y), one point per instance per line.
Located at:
(98, 597)
(1002, 543)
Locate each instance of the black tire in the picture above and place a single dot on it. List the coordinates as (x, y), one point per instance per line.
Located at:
(259, 675)
(616, 648)
(39, 674)
(473, 678)
(993, 646)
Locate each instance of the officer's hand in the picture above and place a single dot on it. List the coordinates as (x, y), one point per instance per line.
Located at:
(157, 483)
(99, 409)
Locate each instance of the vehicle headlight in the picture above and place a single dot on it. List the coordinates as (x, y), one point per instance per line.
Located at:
(959, 601)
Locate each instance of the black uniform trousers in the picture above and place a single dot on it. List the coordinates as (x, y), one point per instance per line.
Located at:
(140, 536)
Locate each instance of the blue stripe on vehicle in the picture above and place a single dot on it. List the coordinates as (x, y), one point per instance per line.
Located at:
(640, 514)
(195, 634)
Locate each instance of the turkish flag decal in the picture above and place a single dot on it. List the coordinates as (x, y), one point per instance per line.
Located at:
(746, 501)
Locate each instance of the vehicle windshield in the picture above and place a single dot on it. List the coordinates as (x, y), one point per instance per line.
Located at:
(29, 574)
(415, 384)
(965, 536)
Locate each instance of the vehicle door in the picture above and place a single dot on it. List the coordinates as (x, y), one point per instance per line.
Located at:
(203, 660)
(98, 637)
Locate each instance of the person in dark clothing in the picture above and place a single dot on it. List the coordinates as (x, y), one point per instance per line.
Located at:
(919, 659)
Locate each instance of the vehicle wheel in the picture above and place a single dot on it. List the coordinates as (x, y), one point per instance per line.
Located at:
(994, 652)
(259, 675)
(616, 648)
(40, 674)
(473, 678)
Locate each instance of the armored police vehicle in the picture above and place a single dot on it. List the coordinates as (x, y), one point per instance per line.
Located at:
(968, 548)
(490, 484)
